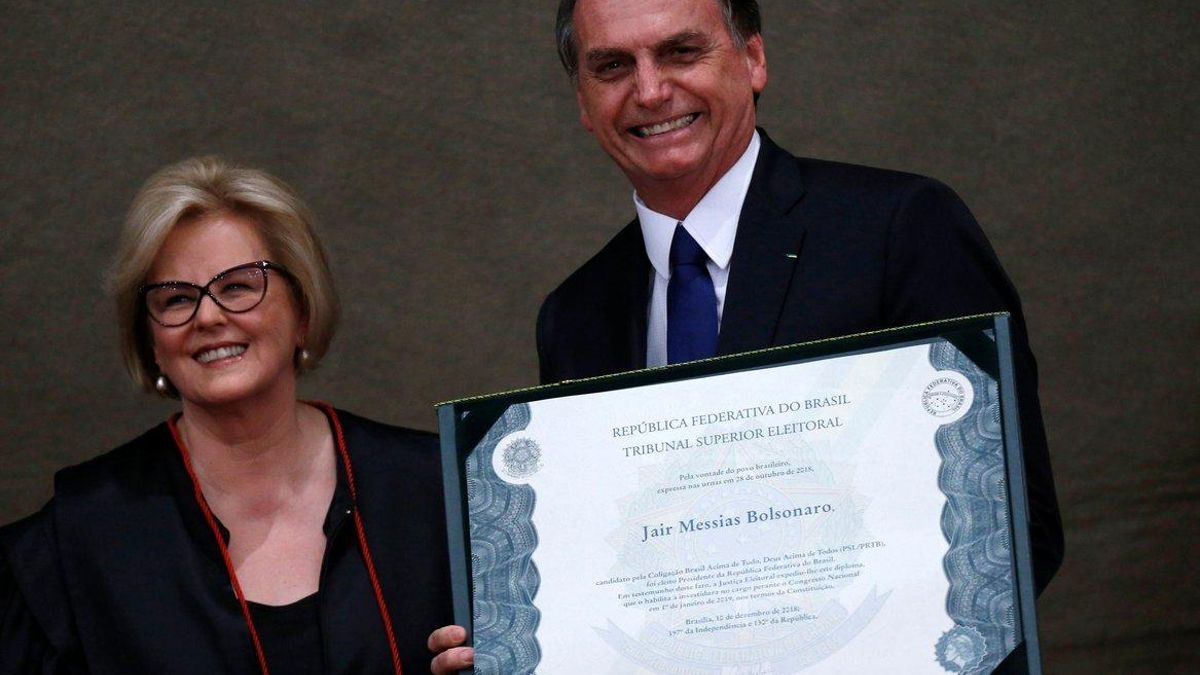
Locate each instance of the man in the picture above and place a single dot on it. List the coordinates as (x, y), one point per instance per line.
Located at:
(789, 249)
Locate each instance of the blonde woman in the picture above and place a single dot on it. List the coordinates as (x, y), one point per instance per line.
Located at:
(250, 531)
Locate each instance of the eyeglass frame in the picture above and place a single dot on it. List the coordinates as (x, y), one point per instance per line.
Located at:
(263, 265)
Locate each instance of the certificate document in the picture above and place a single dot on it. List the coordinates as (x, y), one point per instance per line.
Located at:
(848, 513)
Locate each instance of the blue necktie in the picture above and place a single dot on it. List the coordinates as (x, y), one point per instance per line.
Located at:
(691, 302)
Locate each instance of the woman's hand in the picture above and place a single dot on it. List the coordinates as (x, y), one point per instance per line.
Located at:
(451, 657)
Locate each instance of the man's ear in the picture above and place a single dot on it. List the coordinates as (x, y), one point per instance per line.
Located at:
(584, 119)
(756, 62)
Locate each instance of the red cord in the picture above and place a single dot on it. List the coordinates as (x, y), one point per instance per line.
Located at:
(212, 525)
(362, 537)
(358, 528)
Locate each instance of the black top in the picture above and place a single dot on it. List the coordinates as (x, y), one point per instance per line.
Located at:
(119, 573)
(290, 635)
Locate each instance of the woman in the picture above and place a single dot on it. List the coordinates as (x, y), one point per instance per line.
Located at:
(250, 531)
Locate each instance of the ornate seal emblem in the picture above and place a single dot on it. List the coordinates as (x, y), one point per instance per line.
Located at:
(943, 397)
(522, 458)
(961, 649)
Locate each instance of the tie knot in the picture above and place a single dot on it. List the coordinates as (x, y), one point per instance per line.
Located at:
(685, 250)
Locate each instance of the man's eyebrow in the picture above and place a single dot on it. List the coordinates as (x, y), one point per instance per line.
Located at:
(605, 53)
(681, 38)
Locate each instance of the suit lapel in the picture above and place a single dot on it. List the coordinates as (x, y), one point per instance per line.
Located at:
(765, 253)
(631, 301)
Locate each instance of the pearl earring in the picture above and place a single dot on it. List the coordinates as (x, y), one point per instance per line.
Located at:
(160, 384)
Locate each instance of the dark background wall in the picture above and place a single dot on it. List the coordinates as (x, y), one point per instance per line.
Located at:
(434, 140)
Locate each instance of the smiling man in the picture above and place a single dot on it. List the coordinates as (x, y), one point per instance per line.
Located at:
(668, 90)
(740, 245)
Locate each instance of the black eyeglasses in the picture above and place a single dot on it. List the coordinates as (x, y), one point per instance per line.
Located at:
(237, 289)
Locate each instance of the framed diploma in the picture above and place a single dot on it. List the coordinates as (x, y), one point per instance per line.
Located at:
(853, 505)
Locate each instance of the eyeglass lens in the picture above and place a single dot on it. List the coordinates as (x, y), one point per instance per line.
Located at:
(237, 290)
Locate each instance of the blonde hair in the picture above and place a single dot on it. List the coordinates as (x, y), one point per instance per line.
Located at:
(206, 185)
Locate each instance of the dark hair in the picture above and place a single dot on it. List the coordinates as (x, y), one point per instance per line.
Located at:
(742, 18)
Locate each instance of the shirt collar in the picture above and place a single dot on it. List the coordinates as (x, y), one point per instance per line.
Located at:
(712, 222)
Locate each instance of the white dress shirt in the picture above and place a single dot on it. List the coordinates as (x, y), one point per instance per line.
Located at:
(713, 224)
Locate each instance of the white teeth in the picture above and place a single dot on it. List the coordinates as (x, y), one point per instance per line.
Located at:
(220, 353)
(664, 127)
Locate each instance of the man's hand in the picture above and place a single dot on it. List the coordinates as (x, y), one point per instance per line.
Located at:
(451, 657)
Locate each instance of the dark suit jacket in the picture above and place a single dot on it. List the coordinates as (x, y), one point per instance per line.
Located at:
(872, 249)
